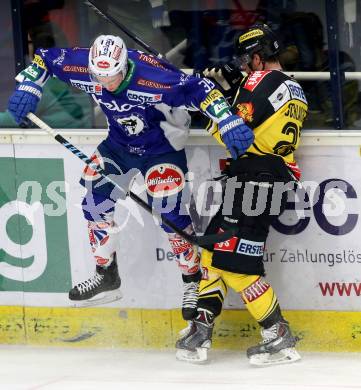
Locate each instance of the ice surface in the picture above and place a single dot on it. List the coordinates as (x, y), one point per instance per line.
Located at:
(25, 368)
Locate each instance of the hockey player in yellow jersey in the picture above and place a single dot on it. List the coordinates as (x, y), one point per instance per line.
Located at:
(274, 106)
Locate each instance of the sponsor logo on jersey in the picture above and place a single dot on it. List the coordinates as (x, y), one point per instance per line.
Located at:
(59, 60)
(255, 78)
(32, 72)
(103, 64)
(250, 248)
(296, 91)
(153, 84)
(113, 105)
(138, 150)
(144, 97)
(213, 96)
(245, 111)
(219, 109)
(75, 68)
(226, 246)
(279, 97)
(133, 124)
(39, 61)
(87, 86)
(163, 180)
(255, 290)
(151, 60)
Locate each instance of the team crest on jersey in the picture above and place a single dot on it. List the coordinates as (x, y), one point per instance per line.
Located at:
(245, 111)
(163, 180)
(255, 78)
(133, 124)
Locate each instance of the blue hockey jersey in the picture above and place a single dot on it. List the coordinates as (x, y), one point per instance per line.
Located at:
(146, 115)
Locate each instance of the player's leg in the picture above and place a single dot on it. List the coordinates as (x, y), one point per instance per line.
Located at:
(278, 343)
(166, 186)
(242, 257)
(103, 232)
(196, 339)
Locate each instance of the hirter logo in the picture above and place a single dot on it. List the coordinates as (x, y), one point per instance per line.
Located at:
(103, 64)
(255, 78)
(164, 180)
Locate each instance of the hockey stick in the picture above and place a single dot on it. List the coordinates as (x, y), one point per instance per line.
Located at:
(194, 240)
(111, 19)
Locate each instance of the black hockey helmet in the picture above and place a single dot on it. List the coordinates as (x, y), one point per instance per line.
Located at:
(258, 39)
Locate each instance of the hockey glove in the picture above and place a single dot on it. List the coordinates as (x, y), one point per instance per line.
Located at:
(24, 100)
(236, 135)
(227, 76)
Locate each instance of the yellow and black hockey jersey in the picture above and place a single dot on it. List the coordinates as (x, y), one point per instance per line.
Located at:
(274, 106)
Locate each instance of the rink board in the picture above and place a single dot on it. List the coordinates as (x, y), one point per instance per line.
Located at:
(158, 329)
(313, 266)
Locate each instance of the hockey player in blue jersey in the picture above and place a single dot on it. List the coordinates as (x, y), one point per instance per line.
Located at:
(145, 101)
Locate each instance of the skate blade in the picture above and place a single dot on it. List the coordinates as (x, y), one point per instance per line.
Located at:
(199, 356)
(100, 299)
(285, 356)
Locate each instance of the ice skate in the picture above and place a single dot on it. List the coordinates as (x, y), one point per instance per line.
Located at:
(190, 295)
(196, 339)
(102, 288)
(277, 346)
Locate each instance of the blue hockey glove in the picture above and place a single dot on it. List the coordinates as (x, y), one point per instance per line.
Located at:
(236, 135)
(24, 100)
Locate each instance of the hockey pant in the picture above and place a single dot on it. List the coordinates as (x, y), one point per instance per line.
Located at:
(257, 295)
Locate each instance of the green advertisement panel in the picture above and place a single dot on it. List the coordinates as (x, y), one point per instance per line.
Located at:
(34, 248)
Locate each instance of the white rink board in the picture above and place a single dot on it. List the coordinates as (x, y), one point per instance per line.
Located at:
(150, 278)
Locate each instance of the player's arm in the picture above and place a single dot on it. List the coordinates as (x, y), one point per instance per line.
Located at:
(231, 129)
(31, 81)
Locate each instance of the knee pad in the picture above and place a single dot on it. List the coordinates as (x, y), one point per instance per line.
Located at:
(103, 238)
(187, 255)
